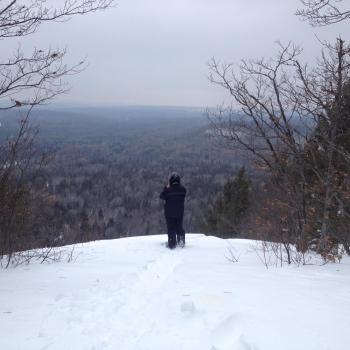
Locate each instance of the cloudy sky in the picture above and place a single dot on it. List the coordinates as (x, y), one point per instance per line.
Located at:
(155, 52)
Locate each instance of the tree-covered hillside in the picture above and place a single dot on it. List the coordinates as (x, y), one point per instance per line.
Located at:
(109, 165)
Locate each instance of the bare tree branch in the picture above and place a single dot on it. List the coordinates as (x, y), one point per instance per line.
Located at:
(21, 18)
(323, 12)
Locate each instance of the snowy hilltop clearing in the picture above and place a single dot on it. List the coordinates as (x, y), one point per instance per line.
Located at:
(132, 293)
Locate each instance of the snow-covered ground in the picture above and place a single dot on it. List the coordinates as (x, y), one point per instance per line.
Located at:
(134, 293)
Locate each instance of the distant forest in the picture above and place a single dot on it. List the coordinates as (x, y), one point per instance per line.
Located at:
(108, 167)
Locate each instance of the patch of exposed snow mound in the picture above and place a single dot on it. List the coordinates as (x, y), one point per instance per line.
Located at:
(188, 307)
(134, 294)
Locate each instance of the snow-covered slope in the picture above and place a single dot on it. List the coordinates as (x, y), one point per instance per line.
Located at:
(133, 294)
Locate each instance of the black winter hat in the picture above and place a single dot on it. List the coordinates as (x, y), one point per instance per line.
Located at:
(174, 178)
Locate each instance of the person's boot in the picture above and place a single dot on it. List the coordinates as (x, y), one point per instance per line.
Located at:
(180, 241)
(171, 242)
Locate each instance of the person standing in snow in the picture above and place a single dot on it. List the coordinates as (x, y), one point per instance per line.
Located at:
(174, 196)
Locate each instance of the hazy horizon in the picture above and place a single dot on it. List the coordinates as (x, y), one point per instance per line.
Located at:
(155, 53)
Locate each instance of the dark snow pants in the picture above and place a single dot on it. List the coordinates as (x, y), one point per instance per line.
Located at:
(176, 233)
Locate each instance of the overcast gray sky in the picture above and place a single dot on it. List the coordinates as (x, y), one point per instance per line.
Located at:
(155, 52)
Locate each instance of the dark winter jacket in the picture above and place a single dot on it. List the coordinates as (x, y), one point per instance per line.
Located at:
(174, 197)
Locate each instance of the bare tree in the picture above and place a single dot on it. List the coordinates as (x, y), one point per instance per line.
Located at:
(32, 79)
(323, 12)
(291, 120)
(28, 80)
(19, 162)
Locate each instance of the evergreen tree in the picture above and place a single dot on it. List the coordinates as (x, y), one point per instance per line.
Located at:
(224, 218)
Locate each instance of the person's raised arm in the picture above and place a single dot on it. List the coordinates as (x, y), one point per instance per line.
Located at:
(164, 193)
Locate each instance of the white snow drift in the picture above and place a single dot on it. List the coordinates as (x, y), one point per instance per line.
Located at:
(133, 294)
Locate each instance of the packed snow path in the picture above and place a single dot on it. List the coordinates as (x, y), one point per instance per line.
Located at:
(134, 294)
